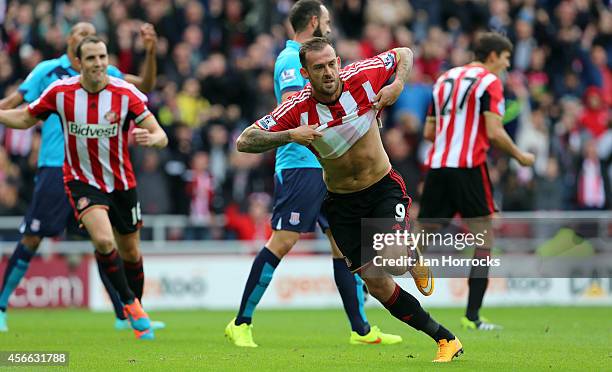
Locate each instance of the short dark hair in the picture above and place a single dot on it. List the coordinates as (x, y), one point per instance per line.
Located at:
(92, 39)
(301, 13)
(491, 42)
(313, 45)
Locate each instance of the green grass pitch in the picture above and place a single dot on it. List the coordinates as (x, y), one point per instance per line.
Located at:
(534, 339)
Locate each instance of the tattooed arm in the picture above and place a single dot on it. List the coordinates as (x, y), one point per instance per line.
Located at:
(404, 65)
(389, 94)
(255, 139)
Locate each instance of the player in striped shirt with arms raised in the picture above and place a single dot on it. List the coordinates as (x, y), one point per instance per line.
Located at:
(95, 111)
(335, 116)
(50, 213)
(299, 192)
(464, 118)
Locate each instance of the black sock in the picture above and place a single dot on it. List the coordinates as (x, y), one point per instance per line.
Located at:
(406, 308)
(477, 286)
(477, 283)
(113, 268)
(135, 277)
(112, 293)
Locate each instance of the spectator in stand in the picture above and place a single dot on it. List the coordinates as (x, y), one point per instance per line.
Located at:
(215, 22)
(8, 77)
(596, 114)
(217, 147)
(191, 106)
(499, 20)
(377, 39)
(351, 15)
(537, 79)
(593, 180)
(390, 13)
(549, 188)
(430, 62)
(180, 151)
(253, 225)
(153, 200)
(220, 84)
(194, 37)
(245, 177)
(403, 158)
(169, 112)
(414, 99)
(265, 99)
(201, 192)
(600, 60)
(10, 205)
(237, 33)
(7, 168)
(180, 67)
(524, 43)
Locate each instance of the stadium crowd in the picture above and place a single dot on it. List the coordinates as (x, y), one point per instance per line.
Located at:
(215, 65)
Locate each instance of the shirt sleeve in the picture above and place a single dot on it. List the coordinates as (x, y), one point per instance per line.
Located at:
(114, 71)
(35, 83)
(288, 75)
(378, 69)
(284, 117)
(44, 105)
(137, 107)
(492, 100)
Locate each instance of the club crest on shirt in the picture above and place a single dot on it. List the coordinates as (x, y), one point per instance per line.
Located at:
(82, 203)
(266, 122)
(295, 218)
(111, 117)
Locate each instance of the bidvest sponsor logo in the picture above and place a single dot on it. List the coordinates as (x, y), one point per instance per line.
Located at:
(93, 130)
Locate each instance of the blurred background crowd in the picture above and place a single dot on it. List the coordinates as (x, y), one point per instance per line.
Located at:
(216, 61)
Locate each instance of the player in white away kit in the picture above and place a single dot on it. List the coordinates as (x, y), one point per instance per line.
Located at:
(95, 111)
(465, 114)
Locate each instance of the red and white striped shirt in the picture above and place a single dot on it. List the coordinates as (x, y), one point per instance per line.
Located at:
(460, 98)
(343, 122)
(95, 129)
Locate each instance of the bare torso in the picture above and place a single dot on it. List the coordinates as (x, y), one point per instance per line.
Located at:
(364, 164)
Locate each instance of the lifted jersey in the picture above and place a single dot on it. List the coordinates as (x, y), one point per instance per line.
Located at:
(345, 121)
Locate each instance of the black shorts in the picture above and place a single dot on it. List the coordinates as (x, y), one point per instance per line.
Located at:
(345, 211)
(448, 191)
(122, 205)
